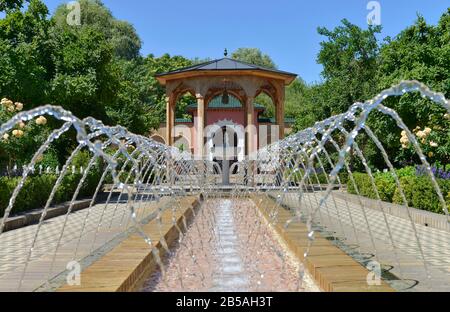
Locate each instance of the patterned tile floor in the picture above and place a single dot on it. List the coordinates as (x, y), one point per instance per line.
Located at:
(84, 232)
(346, 219)
(89, 229)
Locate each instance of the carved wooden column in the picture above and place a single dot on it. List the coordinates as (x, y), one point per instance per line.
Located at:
(251, 135)
(170, 119)
(250, 124)
(280, 111)
(201, 123)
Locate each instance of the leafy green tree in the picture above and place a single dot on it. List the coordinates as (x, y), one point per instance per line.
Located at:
(349, 59)
(420, 52)
(84, 80)
(132, 107)
(26, 54)
(198, 60)
(7, 5)
(253, 56)
(306, 103)
(157, 65)
(256, 57)
(120, 34)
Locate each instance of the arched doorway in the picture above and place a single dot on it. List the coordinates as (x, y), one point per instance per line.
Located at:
(226, 140)
(158, 138)
(183, 144)
(226, 146)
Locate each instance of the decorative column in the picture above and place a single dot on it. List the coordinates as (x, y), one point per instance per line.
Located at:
(280, 111)
(170, 119)
(201, 122)
(251, 135)
(250, 124)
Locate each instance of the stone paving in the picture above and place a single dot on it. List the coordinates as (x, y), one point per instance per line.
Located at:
(367, 230)
(84, 232)
(359, 229)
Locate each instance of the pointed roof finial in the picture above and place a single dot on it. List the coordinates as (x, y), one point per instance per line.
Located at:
(225, 53)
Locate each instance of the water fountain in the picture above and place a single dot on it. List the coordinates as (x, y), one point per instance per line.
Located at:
(291, 192)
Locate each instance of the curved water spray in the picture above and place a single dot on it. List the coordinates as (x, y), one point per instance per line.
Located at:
(229, 240)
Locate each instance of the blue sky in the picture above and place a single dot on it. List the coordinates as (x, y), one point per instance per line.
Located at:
(284, 29)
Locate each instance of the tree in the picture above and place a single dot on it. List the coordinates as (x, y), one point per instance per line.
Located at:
(349, 58)
(25, 54)
(84, 81)
(120, 34)
(198, 60)
(420, 52)
(357, 67)
(306, 103)
(253, 56)
(9, 5)
(131, 109)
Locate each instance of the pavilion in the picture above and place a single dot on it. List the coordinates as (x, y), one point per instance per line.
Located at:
(225, 90)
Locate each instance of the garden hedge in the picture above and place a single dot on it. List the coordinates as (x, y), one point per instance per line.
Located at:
(321, 178)
(37, 189)
(418, 190)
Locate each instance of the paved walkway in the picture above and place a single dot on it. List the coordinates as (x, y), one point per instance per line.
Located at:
(368, 230)
(364, 230)
(84, 232)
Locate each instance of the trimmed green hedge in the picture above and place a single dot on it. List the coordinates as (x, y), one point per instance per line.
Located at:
(37, 189)
(419, 191)
(322, 177)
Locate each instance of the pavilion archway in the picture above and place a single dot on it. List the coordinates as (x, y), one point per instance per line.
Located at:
(159, 139)
(225, 76)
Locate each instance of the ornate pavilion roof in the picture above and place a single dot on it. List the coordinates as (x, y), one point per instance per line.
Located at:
(225, 65)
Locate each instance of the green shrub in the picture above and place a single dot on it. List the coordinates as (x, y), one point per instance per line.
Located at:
(49, 159)
(343, 175)
(321, 178)
(406, 172)
(407, 184)
(386, 186)
(6, 188)
(81, 159)
(363, 184)
(419, 191)
(37, 189)
(34, 194)
(67, 188)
